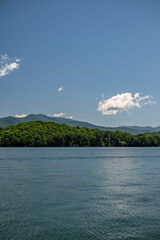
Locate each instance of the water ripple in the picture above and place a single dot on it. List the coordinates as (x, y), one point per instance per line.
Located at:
(63, 194)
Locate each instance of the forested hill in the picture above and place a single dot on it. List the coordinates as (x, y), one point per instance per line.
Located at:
(50, 134)
(11, 121)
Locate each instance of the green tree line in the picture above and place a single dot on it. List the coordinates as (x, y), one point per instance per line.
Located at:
(50, 134)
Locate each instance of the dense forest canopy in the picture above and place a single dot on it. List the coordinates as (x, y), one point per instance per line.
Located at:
(50, 134)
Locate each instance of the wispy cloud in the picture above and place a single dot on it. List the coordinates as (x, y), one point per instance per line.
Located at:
(59, 114)
(60, 89)
(4, 57)
(8, 64)
(123, 102)
(21, 115)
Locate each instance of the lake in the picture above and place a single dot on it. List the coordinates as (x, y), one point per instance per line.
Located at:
(79, 193)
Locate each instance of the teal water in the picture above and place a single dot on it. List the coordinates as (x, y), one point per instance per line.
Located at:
(79, 193)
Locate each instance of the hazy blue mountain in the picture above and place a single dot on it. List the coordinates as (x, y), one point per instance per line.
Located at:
(10, 121)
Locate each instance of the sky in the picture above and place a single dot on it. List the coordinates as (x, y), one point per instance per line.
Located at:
(90, 60)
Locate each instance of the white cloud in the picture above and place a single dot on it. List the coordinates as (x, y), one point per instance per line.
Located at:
(123, 102)
(59, 114)
(70, 117)
(20, 115)
(60, 89)
(18, 60)
(7, 64)
(7, 68)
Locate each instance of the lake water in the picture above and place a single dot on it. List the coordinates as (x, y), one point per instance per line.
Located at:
(79, 193)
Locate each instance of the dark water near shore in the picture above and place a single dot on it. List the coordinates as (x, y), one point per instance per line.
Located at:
(79, 193)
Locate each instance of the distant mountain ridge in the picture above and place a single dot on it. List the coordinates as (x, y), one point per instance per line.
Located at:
(11, 121)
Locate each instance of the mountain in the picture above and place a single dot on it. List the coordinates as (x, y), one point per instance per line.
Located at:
(11, 121)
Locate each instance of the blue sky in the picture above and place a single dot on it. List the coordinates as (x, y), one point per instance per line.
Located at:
(103, 56)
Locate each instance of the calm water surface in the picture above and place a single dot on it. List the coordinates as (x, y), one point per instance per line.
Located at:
(79, 193)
